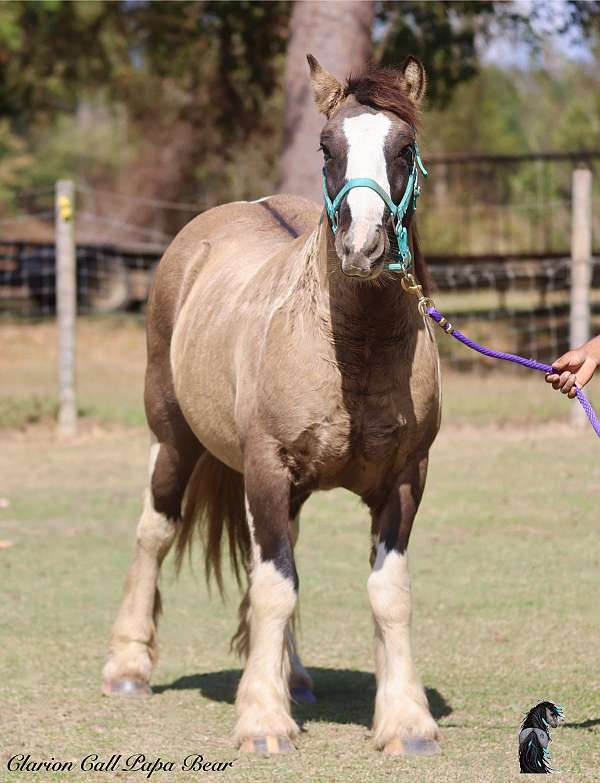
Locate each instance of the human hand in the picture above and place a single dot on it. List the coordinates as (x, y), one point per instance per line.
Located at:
(575, 368)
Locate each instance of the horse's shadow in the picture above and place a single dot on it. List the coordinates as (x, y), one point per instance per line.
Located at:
(343, 695)
(586, 724)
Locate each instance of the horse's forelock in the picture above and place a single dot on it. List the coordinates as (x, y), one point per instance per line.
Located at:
(384, 89)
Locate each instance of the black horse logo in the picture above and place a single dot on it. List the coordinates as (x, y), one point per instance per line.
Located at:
(534, 737)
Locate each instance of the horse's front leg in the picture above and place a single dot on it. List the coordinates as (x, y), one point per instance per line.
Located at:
(300, 681)
(402, 723)
(264, 720)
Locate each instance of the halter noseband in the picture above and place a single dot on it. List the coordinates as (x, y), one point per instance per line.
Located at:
(397, 211)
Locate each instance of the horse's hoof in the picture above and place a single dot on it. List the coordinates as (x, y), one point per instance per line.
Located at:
(412, 746)
(303, 696)
(268, 744)
(131, 688)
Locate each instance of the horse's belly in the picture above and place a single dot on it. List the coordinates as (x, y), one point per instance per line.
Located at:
(205, 390)
(209, 416)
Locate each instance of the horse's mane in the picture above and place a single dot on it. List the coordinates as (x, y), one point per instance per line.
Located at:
(383, 89)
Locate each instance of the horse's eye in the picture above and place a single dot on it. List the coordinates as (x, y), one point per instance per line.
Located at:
(326, 153)
(407, 153)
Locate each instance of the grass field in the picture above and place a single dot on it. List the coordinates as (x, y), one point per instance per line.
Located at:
(504, 559)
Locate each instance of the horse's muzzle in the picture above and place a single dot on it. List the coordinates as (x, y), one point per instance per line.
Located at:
(366, 262)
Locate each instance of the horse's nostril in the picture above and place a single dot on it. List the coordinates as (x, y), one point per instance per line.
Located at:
(375, 247)
(346, 243)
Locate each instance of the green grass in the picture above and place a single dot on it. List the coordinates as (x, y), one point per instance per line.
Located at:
(110, 360)
(504, 561)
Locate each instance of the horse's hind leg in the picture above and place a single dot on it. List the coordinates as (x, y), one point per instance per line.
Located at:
(402, 722)
(300, 681)
(133, 647)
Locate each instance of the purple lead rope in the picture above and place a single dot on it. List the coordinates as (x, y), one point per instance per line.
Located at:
(511, 357)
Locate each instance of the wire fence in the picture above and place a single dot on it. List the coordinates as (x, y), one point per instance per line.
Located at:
(109, 278)
(520, 306)
(496, 229)
(482, 205)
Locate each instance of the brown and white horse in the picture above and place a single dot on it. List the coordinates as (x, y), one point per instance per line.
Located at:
(281, 360)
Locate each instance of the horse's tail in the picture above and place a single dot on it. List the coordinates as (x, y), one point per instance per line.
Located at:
(531, 755)
(213, 504)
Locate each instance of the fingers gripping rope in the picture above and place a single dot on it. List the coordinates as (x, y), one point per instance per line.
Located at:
(509, 357)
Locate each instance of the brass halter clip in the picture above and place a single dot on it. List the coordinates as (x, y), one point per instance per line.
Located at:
(412, 286)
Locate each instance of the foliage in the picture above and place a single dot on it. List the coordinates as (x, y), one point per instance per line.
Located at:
(447, 35)
(186, 75)
(14, 160)
(441, 34)
(511, 207)
(183, 100)
(51, 50)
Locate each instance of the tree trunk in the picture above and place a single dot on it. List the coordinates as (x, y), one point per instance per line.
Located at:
(339, 36)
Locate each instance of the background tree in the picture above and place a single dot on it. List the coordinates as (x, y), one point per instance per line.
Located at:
(339, 35)
(188, 88)
(199, 101)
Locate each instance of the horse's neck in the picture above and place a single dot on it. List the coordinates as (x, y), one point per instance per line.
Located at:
(355, 309)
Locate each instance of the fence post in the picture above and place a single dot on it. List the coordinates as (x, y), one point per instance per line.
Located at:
(66, 305)
(581, 259)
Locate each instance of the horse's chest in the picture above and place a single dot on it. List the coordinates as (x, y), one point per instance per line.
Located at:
(358, 414)
(378, 433)
(379, 430)
(358, 440)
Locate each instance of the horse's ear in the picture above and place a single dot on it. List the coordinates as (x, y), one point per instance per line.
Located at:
(414, 78)
(328, 91)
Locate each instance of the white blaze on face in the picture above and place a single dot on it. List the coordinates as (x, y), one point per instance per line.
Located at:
(366, 135)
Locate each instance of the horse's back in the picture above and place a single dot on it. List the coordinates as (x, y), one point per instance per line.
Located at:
(236, 236)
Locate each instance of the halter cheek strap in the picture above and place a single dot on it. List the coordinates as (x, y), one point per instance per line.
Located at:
(397, 211)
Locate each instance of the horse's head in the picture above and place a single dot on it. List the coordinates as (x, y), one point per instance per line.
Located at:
(368, 141)
(543, 715)
(554, 713)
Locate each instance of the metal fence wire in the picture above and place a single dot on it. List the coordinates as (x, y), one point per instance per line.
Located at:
(496, 230)
(481, 205)
(109, 278)
(519, 305)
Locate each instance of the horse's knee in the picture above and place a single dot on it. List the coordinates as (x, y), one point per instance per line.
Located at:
(273, 592)
(388, 587)
(168, 482)
(155, 531)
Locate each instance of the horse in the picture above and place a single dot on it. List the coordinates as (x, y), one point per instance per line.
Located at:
(534, 737)
(284, 357)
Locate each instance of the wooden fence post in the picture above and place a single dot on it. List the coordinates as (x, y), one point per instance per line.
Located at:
(581, 260)
(66, 305)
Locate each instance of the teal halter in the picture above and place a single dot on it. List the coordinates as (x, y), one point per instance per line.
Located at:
(398, 211)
